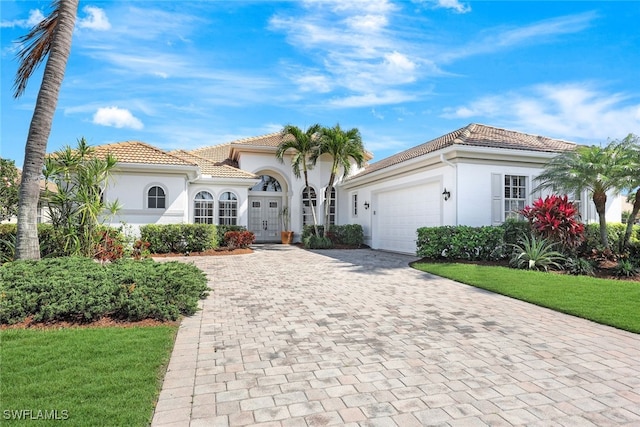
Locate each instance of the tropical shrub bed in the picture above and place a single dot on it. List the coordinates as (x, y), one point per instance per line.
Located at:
(180, 238)
(81, 290)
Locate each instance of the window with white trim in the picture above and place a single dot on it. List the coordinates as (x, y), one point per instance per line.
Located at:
(156, 198)
(515, 195)
(332, 207)
(203, 212)
(309, 199)
(354, 205)
(228, 209)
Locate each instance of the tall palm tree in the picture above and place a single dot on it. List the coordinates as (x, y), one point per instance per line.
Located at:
(50, 38)
(303, 145)
(593, 168)
(344, 147)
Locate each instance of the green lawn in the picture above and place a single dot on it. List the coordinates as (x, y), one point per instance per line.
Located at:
(92, 376)
(610, 302)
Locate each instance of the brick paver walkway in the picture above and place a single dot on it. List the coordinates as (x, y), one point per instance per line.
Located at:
(295, 338)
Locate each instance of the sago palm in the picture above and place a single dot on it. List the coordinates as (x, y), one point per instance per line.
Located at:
(303, 146)
(344, 147)
(593, 168)
(50, 38)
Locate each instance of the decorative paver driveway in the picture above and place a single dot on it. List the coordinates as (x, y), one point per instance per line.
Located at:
(290, 337)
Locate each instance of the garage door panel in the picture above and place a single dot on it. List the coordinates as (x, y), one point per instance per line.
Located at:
(401, 212)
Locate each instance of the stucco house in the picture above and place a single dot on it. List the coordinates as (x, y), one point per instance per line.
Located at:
(476, 175)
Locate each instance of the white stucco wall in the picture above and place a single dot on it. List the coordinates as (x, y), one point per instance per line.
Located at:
(130, 188)
(442, 174)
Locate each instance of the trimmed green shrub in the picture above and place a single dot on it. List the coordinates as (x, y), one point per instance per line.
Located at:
(179, 238)
(461, 242)
(348, 234)
(317, 242)
(514, 230)
(80, 290)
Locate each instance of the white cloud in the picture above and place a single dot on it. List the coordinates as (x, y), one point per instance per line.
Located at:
(575, 111)
(116, 117)
(498, 39)
(314, 82)
(35, 17)
(96, 19)
(453, 4)
(367, 23)
(356, 50)
(373, 99)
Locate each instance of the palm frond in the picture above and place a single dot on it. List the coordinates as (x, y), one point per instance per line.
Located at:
(35, 46)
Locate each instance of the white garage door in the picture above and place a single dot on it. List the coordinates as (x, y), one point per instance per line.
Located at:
(400, 212)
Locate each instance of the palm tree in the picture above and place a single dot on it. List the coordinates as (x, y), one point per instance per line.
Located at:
(51, 37)
(593, 168)
(304, 145)
(630, 147)
(343, 147)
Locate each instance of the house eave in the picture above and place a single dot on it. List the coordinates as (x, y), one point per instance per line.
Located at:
(207, 179)
(192, 171)
(456, 154)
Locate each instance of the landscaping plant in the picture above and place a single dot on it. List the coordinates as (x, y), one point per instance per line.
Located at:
(78, 289)
(74, 197)
(536, 254)
(556, 219)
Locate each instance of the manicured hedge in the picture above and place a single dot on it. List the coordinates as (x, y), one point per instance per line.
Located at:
(180, 238)
(349, 234)
(461, 242)
(80, 290)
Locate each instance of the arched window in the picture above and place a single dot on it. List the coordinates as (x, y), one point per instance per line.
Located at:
(203, 208)
(308, 199)
(228, 209)
(156, 198)
(267, 183)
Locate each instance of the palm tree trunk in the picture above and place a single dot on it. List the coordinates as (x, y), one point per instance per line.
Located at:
(600, 200)
(313, 208)
(327, 202)
(27, 245)
(630, 222)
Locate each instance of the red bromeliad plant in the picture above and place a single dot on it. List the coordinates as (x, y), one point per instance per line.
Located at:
(557, 219)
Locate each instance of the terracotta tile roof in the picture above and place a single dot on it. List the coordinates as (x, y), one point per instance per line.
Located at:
(214, 169)
(273, 140)
(477, 135)
(215, 153)
(139, 152)
(269, 140)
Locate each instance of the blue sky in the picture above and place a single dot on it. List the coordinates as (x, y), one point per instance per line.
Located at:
(192, 74)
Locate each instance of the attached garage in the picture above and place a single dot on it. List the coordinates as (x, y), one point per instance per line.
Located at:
(398, 213)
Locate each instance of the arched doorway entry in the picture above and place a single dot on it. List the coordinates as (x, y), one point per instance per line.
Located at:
(266, 198)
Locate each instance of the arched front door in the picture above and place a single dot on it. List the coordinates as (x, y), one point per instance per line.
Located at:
(265, 201)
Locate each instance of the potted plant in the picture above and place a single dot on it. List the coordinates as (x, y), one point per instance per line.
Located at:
(286, 235)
